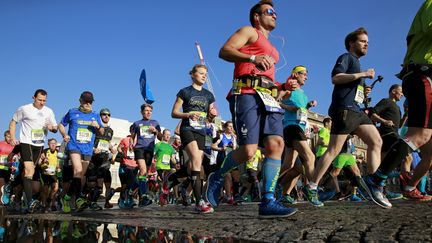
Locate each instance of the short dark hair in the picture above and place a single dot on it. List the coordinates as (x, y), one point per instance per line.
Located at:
(6, 133)
(257, 9)
(195, 68)
(394, 86)
(52, 139)
(166, 130)
(143, 106)
(326, 120)
(353, 36)
(40, 91)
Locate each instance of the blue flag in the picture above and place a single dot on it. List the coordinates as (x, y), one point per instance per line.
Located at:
(145, 88)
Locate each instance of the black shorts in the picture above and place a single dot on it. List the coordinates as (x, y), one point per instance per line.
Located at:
(83, 156)
(37, 174)
(48, 179)
(147, 155)
(30, 152)
(188, 136)
(5, 174)
(347, 121)
(293, 133)
(417, 90)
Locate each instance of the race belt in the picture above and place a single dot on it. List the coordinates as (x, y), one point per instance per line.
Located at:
(255, 82)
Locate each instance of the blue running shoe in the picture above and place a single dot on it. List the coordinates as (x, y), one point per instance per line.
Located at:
(312, 196)
(393, 195)
(355, 198)
(5, 191)
(215, 182)
(273, 208)
(34, 206)
(326, 195)
(121, 203)
(377, 194)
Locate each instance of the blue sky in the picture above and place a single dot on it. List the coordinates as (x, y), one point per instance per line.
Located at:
(67, 47)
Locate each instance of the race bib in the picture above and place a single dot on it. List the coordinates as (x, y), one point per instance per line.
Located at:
(269, 102)
(3, 160)
(359, 97)
(302, 115)
(200, 123)
(255, 164)
(166, 158)
(145, 133)
(50, 170)
(37, 135)
(103, 145)
(84, 135)
(130, 154)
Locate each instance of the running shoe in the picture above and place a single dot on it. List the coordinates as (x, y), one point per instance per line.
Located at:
(163, 199)
(273, 208)
(404, 178)
(34, 206)
(238, 199)
(108, 205)
(81, 204)
(355, 198)
(215, 182)
(325, 195)
(2, 233)
(312, 196)
(144, 202)
(5, 191)
(121, 203)
(287, 199)
(110, 194)
(393, 195)
(416, 195)
(203, 208)
(377, 194)
(95, 207)
(231, 201)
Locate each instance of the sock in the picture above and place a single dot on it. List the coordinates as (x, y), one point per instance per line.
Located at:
(270, 169)
(313, 185)
(76, 187)
(142, 182)
(28, 190)
(197, 186)
(228, 164)
(379, 178)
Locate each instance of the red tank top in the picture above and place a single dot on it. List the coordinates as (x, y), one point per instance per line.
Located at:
(260, 47)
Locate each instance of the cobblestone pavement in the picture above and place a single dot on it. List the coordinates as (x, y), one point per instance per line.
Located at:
(407, 221)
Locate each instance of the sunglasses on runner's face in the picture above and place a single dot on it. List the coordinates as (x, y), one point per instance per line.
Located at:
(270, 11)
(105, 114)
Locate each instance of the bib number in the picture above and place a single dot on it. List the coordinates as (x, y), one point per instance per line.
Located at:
(3, 160)
(270, 103)
(200, 123)
(37, 136)
(302, 115)
(84, 135)
(130, 154)
(103, 145)
(50, 170)
(166, 158)
(359, 97)
(145, 133)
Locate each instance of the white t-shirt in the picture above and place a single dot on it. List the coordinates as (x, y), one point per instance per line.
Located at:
(33, 122)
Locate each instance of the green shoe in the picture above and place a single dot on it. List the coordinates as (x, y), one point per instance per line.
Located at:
(287, 199)
(81, 204)
(312, 196)
(65, 201)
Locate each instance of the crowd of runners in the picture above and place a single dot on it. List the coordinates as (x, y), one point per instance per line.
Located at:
(263, 154)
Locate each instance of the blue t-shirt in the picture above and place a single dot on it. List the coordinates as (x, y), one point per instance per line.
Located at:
(81, 132)
(298, 99)
(344, 95)
(146, 139)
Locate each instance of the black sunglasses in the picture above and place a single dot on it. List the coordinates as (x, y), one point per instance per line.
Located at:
(105, 114)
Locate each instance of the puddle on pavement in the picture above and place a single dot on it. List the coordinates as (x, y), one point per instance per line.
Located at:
(39, 230)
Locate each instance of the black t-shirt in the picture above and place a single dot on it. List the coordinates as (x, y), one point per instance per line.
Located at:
(102, 142)
(195, 101)
(389, 110)
(344, 95)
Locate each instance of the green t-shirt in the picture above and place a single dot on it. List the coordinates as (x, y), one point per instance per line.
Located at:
(420, 37)
(324, 134)
(163, 152)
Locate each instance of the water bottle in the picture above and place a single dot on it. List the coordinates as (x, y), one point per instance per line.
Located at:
(61, 152)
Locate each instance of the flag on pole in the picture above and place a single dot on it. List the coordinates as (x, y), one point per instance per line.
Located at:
(145, 88)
